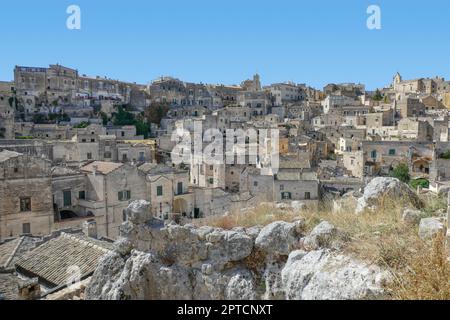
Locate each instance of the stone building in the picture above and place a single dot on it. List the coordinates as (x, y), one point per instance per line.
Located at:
(411, 107)
(26, 205)
(109, 188)
(61, 85)
(7, 112)
(168, 190)
(282, 93)
(413, 129)
(380, 157)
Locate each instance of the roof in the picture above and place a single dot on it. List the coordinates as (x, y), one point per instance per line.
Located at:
(11, 250)
(6, 155)
(7, 251)
(101, 167)
(59, 171)
(51, 260)
(8, 286)
(295, 164)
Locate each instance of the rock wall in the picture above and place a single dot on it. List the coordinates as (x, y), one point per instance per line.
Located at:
(156, 261)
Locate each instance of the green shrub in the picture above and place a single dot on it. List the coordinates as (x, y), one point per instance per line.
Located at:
(401, 172)
(424, 183)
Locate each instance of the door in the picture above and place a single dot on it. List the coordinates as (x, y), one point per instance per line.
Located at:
(67, 198)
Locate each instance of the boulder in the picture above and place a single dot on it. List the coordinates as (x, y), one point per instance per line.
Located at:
(298, 205)
(277, 238)
(381, 187)
(346, 203)
(411, 216)
(321, 236)
(325, 275)
(138, 211)
(430, 227)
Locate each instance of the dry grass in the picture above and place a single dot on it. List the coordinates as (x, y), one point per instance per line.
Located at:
(419, 268)
(426, 275)
(262, 215)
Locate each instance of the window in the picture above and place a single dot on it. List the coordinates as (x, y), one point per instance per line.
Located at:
(141, 156)
(124, 157)
(92, 140)
(281, 187)
(107, 154)
(89, 155)
(67, 198)
(123, 133)
(286, 195)
(392, 152)
(211, 180)
(307, 195)
(255, 183)
(159, 191)
(373, 154)
(82, 195)
(25, 204)
(16, 170)
(180, 188)
(26, 228)
(83, 140)
(124, 195)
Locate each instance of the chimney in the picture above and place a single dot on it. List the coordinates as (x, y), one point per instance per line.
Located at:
(90, 229)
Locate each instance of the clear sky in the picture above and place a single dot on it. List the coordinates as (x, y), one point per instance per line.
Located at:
(217, 41)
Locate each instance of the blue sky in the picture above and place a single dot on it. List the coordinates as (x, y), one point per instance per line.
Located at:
(211, 41)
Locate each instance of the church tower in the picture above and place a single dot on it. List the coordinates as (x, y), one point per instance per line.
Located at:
(256, 83)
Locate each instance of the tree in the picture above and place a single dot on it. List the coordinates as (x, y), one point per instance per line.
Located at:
(377, 96)
(401, 172)
(82, 125)
(142, 128)
(123, 118)
(156, 111)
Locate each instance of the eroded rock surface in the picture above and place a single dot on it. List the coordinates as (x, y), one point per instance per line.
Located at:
(153, 261)
(381, 188)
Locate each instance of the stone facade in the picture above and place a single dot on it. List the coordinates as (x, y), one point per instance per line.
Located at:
(26, 192)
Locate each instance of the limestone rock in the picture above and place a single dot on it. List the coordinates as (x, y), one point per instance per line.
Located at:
(297, 205)
(241, 286)
(321, 236)
(138, 211)
(380, 187)
(346, 203)
(411, 216)
(277, 238)
(325, 275)
(430, 227)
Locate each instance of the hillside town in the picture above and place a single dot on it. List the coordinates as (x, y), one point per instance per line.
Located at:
(76, 151)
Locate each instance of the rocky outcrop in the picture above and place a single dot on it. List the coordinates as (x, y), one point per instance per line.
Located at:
(430, 227)
(322, 236)
(380, 188)
(411, 216)
(156, 261)
(322, 274)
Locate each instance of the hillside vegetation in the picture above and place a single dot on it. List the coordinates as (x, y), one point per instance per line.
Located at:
(420, 269)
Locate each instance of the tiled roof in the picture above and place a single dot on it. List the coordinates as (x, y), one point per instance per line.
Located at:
(8, 286)
(7, 251)
(102, 167)
(51, 260)
(11, 250)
